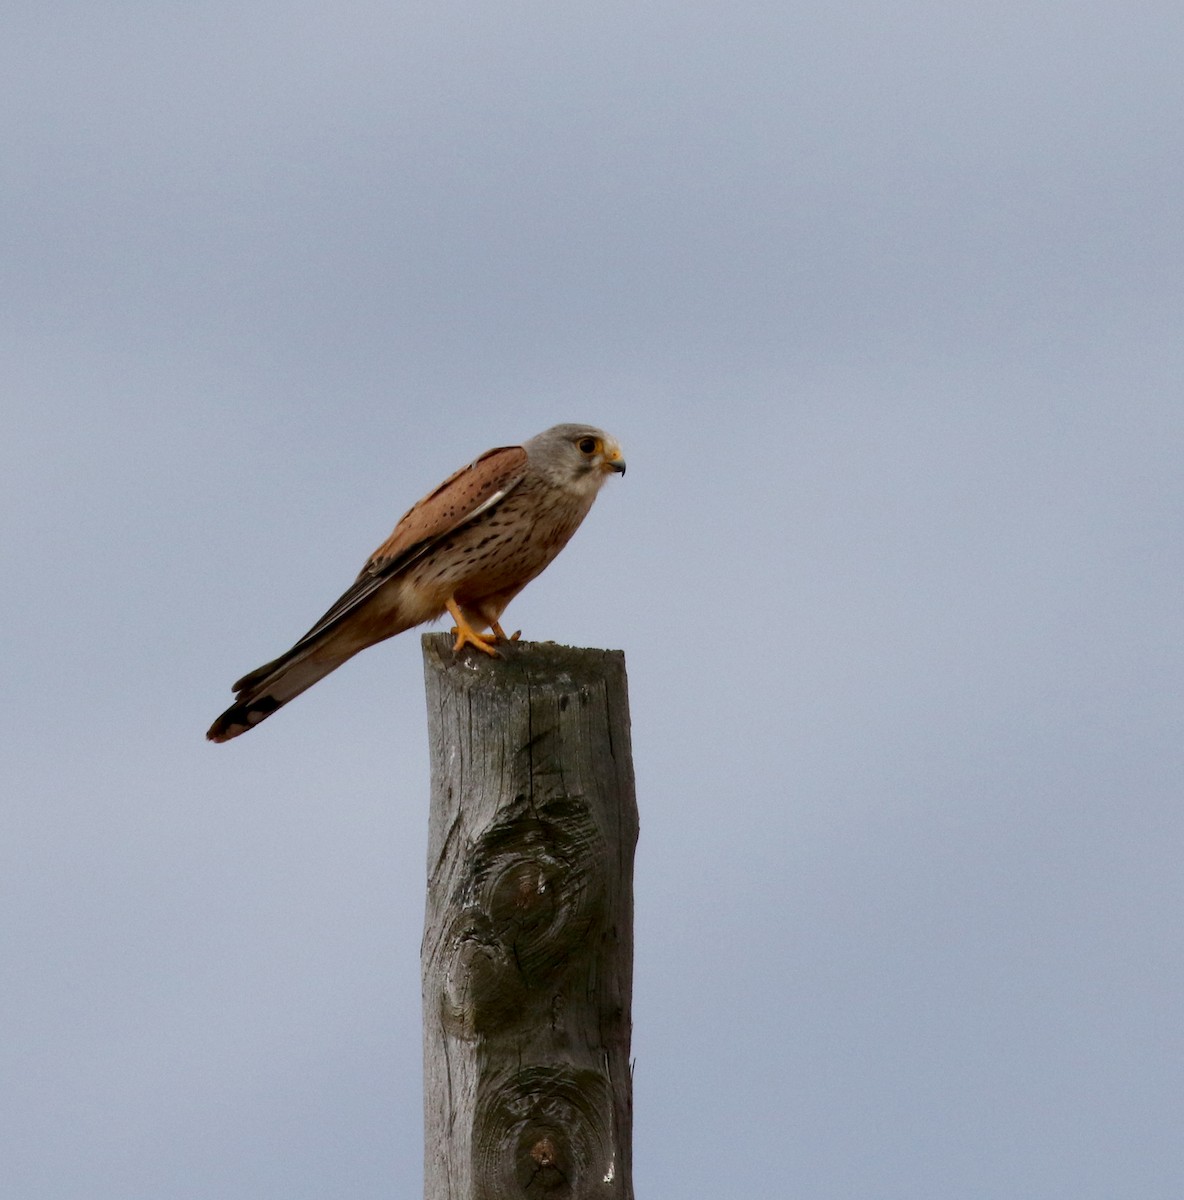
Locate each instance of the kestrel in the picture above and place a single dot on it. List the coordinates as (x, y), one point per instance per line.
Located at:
(468, 549)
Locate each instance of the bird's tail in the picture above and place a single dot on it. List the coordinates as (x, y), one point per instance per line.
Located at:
(271, 686)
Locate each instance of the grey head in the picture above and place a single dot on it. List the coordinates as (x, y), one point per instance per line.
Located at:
(575, 456)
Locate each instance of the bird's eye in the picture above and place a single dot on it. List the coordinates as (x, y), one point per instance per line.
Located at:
(587, 445)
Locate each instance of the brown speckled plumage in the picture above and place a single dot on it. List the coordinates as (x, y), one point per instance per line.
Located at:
(469, 547)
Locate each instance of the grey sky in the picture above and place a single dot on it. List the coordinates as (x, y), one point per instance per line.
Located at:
(883, 302)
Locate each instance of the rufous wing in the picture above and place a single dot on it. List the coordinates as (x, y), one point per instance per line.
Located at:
(462, 497)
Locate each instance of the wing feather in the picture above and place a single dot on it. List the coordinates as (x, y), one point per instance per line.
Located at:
(461, 498)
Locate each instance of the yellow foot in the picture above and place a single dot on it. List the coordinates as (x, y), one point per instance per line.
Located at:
(466, 635)
(500, 633)
(469, 637)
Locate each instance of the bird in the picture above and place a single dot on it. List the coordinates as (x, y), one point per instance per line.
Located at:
(467, 548)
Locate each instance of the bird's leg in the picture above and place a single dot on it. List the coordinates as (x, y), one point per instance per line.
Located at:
(466, 635)
(501, 635)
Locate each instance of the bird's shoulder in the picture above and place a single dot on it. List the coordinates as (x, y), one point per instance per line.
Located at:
(462, 496)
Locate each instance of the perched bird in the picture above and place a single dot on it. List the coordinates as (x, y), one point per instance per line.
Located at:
(467, 548)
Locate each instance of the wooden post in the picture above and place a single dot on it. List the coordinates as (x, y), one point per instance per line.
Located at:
(528, 937)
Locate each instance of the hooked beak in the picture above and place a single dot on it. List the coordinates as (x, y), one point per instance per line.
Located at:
(614, 462)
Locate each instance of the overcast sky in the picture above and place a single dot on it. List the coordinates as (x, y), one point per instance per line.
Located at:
(883, 301)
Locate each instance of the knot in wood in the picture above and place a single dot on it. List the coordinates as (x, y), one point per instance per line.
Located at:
(526, 900)
(545, 1131)
(543, 1152)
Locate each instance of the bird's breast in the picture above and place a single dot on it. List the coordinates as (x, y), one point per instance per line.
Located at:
(503, 549)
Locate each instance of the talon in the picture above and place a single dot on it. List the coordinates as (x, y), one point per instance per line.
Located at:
(501, 636)
(466, 635)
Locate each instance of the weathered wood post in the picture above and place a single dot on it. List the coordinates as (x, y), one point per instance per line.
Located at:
(528, 938)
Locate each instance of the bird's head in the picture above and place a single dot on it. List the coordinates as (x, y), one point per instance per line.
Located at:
(579, 456)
